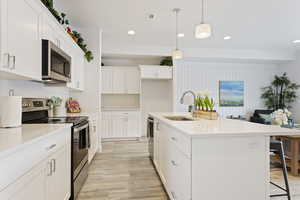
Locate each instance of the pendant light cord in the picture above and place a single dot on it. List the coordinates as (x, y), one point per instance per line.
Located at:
(177, 28)
(202, 14)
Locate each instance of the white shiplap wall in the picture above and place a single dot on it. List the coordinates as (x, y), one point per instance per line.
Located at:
(200, 76)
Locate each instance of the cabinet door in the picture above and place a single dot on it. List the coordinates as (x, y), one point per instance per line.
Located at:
(164, 155)
(50, 30)
(119, 81)
(165, 72)
(58, 181)
(149, 72)
(30, 186)
(119, 125)
(23, 37)
(156, 144)
(107, 80)
(133, 129)
(106, 129)
(132, 81)
(78, 71)
(93, 138)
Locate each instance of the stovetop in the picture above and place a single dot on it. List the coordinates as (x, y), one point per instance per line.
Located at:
(58, 120)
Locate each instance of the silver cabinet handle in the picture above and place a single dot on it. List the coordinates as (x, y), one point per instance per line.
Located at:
(49, 169)
(53, 167)
(94, 127)
(51, 147)
(77, 84)
(14, 62)
(7, 64)
(157, 126)
(174, 163)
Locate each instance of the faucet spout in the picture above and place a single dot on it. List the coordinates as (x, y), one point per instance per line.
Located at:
(194, 95)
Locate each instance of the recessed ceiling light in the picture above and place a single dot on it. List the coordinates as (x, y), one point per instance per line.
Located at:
(227, 37)
(180, 35)
(131, 32)
(296, 41)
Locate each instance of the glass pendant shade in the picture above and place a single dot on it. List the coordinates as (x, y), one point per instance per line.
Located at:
(203, 31)
(177, 54)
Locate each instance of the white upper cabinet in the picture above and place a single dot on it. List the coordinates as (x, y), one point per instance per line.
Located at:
(120, 80)
(107, 80)
(21, 38)
(133, 81)
(23, 25)
(77, 70)
(156, 72)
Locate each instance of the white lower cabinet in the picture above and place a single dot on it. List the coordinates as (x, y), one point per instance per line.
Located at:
(116, 124)
(174, 166)
(30, 186)
(50, 179)
(58, 176)
(94, 139)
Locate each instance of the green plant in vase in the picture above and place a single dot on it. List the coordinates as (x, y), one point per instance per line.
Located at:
(209, 104)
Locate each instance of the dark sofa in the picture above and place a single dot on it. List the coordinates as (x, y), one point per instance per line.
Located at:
(257, 119)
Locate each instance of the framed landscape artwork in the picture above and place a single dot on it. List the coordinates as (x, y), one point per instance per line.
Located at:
(231, 93)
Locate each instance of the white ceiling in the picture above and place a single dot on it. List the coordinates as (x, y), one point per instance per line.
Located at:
(253, 24)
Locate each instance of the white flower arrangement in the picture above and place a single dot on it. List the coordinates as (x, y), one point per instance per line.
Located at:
(281, 116)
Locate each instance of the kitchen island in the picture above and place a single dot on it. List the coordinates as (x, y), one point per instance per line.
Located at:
(213, 159)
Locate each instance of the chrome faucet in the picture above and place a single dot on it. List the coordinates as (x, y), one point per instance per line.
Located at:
(185, 93)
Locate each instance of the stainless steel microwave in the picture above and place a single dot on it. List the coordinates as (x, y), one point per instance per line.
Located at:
(56, 64)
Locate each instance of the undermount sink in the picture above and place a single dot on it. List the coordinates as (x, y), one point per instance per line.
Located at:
(179, 118)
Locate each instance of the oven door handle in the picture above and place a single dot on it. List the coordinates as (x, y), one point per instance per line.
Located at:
(81, 128)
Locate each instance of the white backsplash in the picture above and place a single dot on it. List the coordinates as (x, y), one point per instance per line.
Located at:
(31, 89)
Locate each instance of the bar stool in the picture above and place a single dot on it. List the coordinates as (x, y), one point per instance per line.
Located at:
(276, 147)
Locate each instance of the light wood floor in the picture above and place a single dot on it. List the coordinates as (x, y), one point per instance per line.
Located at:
(124, 172)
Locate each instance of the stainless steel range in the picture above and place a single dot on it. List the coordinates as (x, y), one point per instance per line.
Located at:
(35, 111)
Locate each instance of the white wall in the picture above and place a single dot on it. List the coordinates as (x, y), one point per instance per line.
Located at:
(200, 76)
(293, 71)
(156, 96)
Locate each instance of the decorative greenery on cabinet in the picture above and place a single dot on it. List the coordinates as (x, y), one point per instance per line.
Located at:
(281, 93)
(61, 18)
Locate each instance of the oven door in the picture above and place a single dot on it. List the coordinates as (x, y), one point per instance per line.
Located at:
(81, 142)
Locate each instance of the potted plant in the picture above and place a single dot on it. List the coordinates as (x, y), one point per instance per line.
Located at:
(55, 106)
(205, 108)
(281, 93)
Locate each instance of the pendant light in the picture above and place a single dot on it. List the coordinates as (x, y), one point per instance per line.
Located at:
(177, 54)
(203, 30)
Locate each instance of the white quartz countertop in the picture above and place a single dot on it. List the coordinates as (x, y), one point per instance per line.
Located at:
(14, 138)
(222, 127)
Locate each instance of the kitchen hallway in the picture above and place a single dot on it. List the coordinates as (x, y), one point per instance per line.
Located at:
(124, 172)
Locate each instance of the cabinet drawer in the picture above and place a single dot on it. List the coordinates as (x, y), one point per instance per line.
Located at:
(180, 182)
(182, 142)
